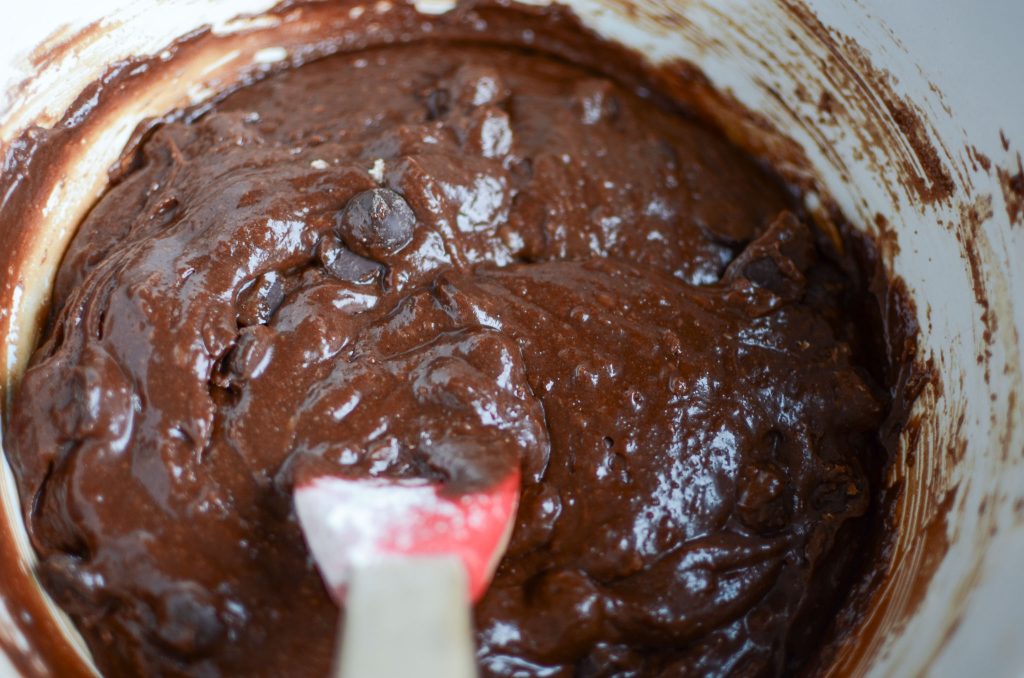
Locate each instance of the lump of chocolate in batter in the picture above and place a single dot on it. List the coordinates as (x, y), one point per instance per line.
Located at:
(346, 265)
(466, 267)
(377, 223)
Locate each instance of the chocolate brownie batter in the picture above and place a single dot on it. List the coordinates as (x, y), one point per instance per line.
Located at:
(440, 260)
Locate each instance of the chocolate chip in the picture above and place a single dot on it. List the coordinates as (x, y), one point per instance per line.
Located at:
(187, 621)
(377, 223)
(777, 260)
(761, 502)
(438, 103)
(346, 265)
(218, 332)
(258, 301)
(251, 354)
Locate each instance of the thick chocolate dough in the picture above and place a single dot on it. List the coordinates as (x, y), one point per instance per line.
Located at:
(444, 259)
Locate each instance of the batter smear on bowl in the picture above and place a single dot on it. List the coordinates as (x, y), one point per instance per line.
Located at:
(440, 260)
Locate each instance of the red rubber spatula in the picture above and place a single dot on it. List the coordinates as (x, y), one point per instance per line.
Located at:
(406, 559)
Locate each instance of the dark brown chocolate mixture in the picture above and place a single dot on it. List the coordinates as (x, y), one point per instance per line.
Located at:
(438, 260)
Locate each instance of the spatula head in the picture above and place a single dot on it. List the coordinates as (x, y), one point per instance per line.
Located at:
(356, 521)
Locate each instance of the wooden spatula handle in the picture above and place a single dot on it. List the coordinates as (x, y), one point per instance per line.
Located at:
(407, 616)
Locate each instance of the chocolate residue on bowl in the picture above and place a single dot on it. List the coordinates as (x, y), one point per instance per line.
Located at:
(1012, 184)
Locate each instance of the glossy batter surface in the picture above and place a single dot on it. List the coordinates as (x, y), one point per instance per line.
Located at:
(441, 260)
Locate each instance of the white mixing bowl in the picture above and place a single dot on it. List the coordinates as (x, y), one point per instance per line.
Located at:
(908, 115)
